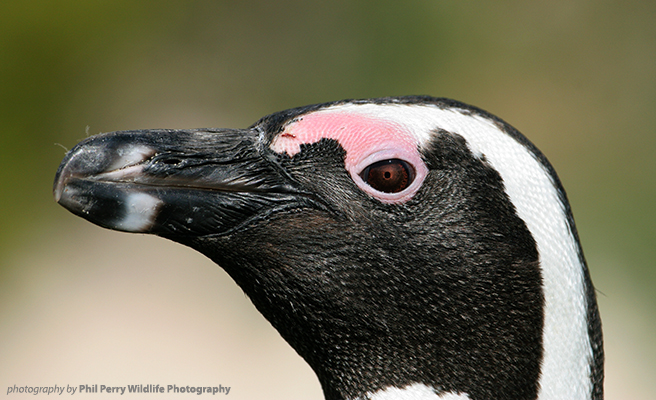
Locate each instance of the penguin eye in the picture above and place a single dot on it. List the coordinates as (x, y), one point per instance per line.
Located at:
(389, 176)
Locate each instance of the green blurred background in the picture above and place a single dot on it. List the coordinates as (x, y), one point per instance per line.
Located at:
(81, 305)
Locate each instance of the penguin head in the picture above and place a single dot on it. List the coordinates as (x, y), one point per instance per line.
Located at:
(402, 246)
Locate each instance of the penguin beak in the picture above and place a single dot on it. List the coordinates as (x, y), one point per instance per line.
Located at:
(174, 183)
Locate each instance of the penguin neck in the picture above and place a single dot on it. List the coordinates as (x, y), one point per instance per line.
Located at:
(435, 323)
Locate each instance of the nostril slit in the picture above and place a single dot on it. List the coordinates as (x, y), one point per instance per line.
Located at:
(171, 161)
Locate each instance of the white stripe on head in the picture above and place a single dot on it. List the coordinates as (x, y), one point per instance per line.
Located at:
(565, 371)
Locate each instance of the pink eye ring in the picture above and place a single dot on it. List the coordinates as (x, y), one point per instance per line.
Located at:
(392, 175)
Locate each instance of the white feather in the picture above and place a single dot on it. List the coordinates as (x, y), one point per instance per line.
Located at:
(416, 391)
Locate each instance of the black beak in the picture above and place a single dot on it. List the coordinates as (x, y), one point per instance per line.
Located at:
(175, 182)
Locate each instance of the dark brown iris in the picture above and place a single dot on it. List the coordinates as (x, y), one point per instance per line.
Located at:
(388, 176)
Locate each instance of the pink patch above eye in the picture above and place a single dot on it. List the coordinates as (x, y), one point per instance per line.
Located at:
(366, 140)
(359, 135)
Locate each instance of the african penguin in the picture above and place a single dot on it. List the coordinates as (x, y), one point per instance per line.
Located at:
(407, 247)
